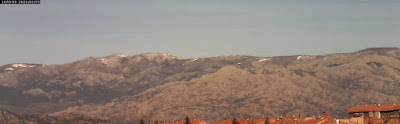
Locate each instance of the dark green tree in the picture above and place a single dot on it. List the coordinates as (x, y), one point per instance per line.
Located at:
(266, 120)
(187, 121)
(141, 121)
(234, 121)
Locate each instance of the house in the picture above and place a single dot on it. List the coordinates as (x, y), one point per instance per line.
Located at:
(379, 111)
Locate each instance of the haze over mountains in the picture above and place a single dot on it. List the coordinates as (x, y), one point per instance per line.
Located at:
(160, 86)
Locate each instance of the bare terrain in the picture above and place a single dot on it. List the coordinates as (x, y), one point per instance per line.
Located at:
(162, 87)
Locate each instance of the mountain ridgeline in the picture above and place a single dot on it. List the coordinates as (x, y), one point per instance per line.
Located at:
(162, 87)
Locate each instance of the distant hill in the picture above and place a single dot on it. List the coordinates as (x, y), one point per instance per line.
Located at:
(163, 87)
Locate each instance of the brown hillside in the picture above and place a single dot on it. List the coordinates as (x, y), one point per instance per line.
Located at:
(249, 87)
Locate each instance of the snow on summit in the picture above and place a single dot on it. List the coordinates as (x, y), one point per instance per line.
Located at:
(19, 65)
(299, 57)
(266, 59)
(121, 55)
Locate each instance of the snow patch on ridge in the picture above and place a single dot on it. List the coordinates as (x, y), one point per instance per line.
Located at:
(302, 58)
(265, 59)
(299, 57)
(19, 65)
(121, 55)
(105, 61)
(163, 56)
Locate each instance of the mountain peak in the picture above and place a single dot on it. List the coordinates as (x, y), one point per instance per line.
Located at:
(116, 56)
(164, 56)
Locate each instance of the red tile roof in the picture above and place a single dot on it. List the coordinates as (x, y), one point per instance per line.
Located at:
(325, 119)
(394, 121)
(284, 121)
(242, 121)
(195, 121)
(370, 108)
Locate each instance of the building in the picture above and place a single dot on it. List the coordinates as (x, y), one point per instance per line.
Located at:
(379, 111)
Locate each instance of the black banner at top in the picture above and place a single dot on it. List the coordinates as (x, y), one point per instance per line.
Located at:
(19, 1)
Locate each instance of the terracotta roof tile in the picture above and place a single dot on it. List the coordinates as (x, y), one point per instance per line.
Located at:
(369, 108)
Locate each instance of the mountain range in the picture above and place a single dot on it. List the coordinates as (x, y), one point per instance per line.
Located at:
(163, 87)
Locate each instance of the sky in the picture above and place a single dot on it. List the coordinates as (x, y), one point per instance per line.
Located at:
(63, 31)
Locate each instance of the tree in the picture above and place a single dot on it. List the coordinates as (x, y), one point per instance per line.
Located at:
(156, 122)
(266, 120)
(187, 121)
(141, 121)
(234, 121)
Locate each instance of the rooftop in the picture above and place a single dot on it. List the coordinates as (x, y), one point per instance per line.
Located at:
(377, 107)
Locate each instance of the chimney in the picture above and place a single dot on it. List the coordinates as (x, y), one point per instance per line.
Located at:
(379, 105)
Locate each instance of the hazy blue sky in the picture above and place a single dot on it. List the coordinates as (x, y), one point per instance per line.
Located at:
(61, 31)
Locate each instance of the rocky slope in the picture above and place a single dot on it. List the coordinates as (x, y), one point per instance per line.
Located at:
(44, 89)
(163, 87)
(277, 86)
